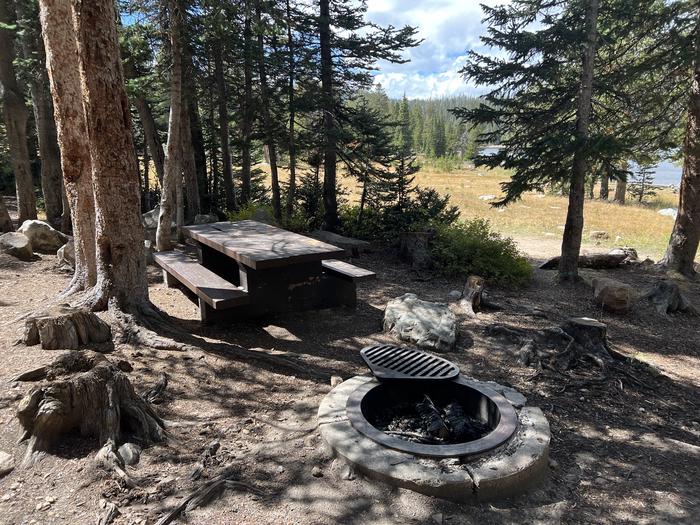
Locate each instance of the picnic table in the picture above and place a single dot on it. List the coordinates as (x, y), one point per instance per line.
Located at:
(246, 269)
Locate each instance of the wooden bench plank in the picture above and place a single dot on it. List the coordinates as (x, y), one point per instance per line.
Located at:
(214, 290)
(348, 270)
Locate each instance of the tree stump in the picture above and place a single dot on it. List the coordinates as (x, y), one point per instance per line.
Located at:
(414, 247)
(471, 296)
(666, 296)
(84, 391)
(65, 327)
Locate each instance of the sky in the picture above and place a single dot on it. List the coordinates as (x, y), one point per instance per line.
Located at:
(449, 29)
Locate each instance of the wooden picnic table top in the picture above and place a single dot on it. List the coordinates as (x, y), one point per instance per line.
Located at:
(259, 246)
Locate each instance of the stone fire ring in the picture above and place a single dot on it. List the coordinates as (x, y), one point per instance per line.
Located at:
(515, 467)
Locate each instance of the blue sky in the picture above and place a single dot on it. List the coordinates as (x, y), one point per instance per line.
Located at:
(449, 29)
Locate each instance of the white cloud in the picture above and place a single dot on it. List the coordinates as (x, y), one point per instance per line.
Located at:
(449, 29)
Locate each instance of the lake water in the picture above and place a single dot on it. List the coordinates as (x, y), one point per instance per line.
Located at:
(665, 174)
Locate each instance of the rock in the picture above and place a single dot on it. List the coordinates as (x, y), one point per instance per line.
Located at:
(453, 296)
(130, 453)
(66, 254)
(42, 236)
(668, 212)
(7, 463)
(16, 244)
(613, 295)
(317, 472)
(336, 380)
(428, 325)
(150, 218)
(263, 215)
(598, 235)
(438, 518)
(487, 197)
(205, 218)
(354, 247)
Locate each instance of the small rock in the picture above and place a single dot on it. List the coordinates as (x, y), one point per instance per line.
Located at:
(553, 463)
(487, 197)
(317, 472)
(66, 254)
(613, 295)
(7, 463)
(437, 517)
(454, 295)
(668, 212)
(130, 453)
(16, 244)
(205, 218)
(336, 380)
(42, 236)
(598, 235)
(280, 469)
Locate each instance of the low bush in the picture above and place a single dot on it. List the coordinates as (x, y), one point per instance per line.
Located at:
(473, 248)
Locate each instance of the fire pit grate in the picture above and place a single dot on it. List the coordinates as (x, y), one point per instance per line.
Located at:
(395, 362)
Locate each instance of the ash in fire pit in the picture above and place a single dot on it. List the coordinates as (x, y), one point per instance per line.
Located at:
(423, 421)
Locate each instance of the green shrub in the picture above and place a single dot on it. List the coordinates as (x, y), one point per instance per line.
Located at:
(472, 248)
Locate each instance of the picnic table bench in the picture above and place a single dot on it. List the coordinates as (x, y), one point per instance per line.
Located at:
(248, 269)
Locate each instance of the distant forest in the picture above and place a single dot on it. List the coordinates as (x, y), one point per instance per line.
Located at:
(434, 130)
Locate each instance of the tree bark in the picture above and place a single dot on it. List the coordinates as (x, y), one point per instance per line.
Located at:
(604, 187)
(683, 244)
(573, 229)
(189, 166)
(331, 221)
(16, 117)
(292, 115)
(64, 79)
(174, 149)
(5, 219)
(267, 117)
(223, 129)
(121, 265)
(51, 178)
(145, 191)
(620, 191)
(150, 131)
(247, 123)
(195, 132)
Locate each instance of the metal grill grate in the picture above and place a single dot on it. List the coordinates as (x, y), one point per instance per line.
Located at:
(395, 362)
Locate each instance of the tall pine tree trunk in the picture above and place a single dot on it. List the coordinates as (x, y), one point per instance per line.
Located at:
(683, 244)
(247, 124)
(16, 116)
(267, 117)
(195, 133)
(51, 178)
(64, 79)
(5, 219)
(227, 175)
(292, 115)
(573, 229)
(620, 191)
(172, 171)
(189, 166)
(121, 265)
(604, 187)
(150, 132)
(331, 221)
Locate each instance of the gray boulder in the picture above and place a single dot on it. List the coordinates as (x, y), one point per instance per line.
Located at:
(353, 246)
(66, 254)
(205, 218)
(16, 244)
(43, 237)
(613, 295)
(150, 218)
(7, 463)
(130, 453)
(428, 325)
(668, 212)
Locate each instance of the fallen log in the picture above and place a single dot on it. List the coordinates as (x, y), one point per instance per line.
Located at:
(599, 261)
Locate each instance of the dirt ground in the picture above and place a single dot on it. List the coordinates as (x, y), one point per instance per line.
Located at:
(624, 451)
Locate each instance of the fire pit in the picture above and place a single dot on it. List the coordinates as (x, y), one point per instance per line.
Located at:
(418, 423)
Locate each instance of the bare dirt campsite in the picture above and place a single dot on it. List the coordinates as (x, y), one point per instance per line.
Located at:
(313, 262)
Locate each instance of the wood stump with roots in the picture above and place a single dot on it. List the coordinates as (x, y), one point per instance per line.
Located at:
(65, 327)
(576, 344)
(84, 391)
(472, 295)
(667, 298)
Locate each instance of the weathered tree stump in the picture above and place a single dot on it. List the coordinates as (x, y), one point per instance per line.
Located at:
(65, 327)
(471, 296)
(598, 261)
(666, 296)
(84, 391)
(414, 247)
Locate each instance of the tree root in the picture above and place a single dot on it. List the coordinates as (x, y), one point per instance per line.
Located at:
(206, 493)
(84, 391)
